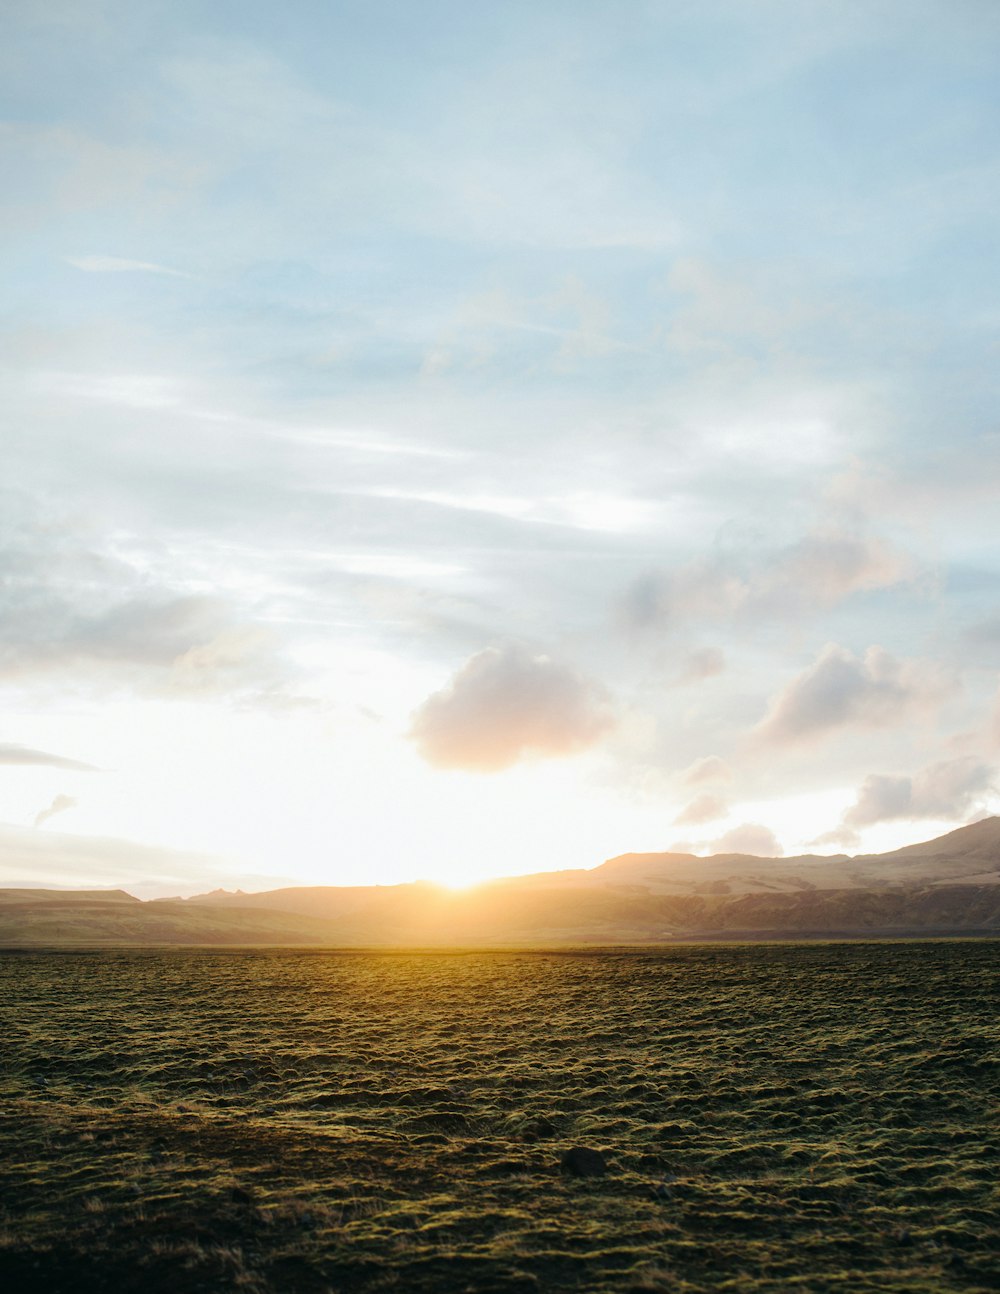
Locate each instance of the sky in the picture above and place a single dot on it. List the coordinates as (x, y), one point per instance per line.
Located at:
(444, 440)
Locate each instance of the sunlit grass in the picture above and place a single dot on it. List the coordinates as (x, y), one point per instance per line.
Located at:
(818, 1117)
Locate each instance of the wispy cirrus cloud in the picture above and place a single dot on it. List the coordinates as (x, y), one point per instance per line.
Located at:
(76, 608)
(122, 265)
(815, 573)
(52, 858)
(24, 756)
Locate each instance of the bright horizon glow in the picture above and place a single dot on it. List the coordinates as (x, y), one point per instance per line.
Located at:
(337, 839)
(446, 442)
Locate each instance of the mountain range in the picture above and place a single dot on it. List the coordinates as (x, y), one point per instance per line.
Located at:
(946, 886)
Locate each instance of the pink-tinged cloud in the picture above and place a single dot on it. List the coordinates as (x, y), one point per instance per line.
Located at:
(709, 769)
(841, 837)
(504, 706)
(700, 665)
(950, 789)
(704, 808)
(59, 805)
(841, 690)
(828, 566)
(749, 838)
(821, 570)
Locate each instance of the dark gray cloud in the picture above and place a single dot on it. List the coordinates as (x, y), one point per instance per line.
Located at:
(842, 689)
(23, 755)
(505, 705)
(950, 789)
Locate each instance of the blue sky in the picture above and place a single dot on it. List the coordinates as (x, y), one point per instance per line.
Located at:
(443, 439)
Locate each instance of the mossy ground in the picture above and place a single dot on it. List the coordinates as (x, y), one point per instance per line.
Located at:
(775, 1118)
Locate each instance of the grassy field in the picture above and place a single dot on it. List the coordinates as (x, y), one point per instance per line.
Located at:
(772, 1118)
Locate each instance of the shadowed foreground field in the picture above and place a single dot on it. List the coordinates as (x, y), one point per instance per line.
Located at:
(773, 1117)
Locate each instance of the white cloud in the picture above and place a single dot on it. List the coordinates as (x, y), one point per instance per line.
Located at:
(723, 316)
(748, 838)
(704, 808)
(22, 755)
(78, 605)
(829, 566)
(950, 789)
(709, 769)
(179, 644)
(56, 859)
(816, 573)
(842, 837)
(59, 805)
(697, 666)
(698, 416)
(841, 690)
(119, 265)
(505, 705)
(142, 391)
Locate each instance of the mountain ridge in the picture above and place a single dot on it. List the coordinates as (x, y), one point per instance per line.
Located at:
(947, 885)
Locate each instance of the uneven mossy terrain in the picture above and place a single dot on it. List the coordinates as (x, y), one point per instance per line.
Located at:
(773, 1118)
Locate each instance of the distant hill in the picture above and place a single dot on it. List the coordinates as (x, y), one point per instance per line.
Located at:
(950, 885)
(56, 918)
(13, 897)
(970, 855)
